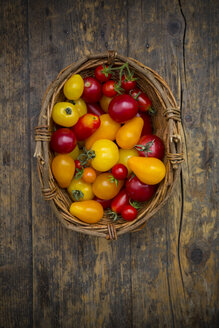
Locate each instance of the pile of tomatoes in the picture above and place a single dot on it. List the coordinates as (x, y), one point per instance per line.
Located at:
(105, 153)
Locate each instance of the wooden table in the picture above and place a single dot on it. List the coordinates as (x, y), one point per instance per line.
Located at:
(163, 276)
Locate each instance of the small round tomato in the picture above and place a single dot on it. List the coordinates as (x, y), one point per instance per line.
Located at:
(129, 213)
(106, 155)
(150, 146)
(104, 103)
(109, 88)
(89, 175)
(63, 141)
(102, 73)
(95, 109)
(92, 90)
(124, 155)
(81, 106)
(144, 103)
(78, 164)
(65, 114)
(128, 84)
(104, 188)
(104, 202)
(80, 190)
(63, 169)
(89, 211)
(122, 108)
(86, 126)
(119, 171)
(139, 191)
(74, 87)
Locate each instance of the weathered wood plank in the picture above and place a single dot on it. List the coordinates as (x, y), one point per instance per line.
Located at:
(15, 232)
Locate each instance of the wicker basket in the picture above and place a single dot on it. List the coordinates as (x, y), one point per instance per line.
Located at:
(167, 124)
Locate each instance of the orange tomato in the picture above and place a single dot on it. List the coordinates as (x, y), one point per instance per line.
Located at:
(105, 188)
(89, 211)
(104, 103)
(89, 175)
(63, 169)
(129, 134)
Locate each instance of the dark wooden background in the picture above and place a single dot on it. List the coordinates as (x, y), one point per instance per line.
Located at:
(167, 274)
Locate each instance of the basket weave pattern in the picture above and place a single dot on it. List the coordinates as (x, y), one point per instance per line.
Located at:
(167, 124)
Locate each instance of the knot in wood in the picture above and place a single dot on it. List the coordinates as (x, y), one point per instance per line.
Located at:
(172, 113)
(198, 252)
(111, 56)
(112, 232)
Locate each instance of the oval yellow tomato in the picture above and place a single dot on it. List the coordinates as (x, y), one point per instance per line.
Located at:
(107, 155)
(65, 114)
(89, 211)
(129, 134)
(81, 106)
(149, 170)
(125, 154)
(80, 190)
(104, 188)
(75, 152)
(74, 87)
(63, 169)
(104, 103)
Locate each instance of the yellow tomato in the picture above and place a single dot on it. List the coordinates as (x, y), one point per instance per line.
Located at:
(65, 114)
(74, 87)
(149, 170)
(129, 134)
(89, 211)
(63, 169)
(107, 130)
(75, 152)
(104, 103)
(125, 154)
(107, 155)
(80, 190)
(81, 106)
(105, 188)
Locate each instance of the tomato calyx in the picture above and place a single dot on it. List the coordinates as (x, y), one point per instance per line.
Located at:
(112, 179)
(135, 204)
(68, 110)
(106, 70)
(86, 156)
(77, 194)
(145, 148)
(79, 173)
(118, 88)
(113, 215)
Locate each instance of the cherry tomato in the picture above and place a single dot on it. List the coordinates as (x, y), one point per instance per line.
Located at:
(74, 87)
(95, 109)
(127, 84)
(106, 155)
(129, 213)
(130, 133)
(78, 164)
(139, 191)
(144, 103)
(89, 175)
(147, 127)
(104, 202)
(119, 171)
(63, 141)
(109, 88)
(121, 200)
(105, 189)
(104, 103)
(92, 90)
(63, 169)
(102, 73)
(89, 211)
(150, 146)
(86, 126)
(124, 155)
(122, 108)
(65, 114)
(80, 190)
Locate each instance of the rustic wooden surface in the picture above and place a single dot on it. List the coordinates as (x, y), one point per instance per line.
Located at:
(167, 274)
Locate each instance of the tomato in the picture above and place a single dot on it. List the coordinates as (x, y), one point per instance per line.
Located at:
(104, 202)
(144, 103)
(124, 155)
(106, 155)
(63, 141)
(81, 106)
(89, 211)
(63, 169)
(107, 130)
(128, 84)
(150, 146)
(149, 170)
(75, 152)
(139, 191)
(86, 126)
(95, 109)
(104, 103)
(92, 90)
(74, 87)
(110, 88)
(129, 213)
(89, 175)
(102, 73)
(65, 114)
(78, 164)
(80, 190)
(119, 171)
(105, 189)
(147, 127)
(130, 133)
(121, 200)
(122, 108)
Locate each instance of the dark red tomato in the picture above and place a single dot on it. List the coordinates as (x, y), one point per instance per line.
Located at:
(63, 141)
(92, 90)
(86, 126)
(109, 89)
(121, 200)
(102, 73)
(122, 108)
(104, 202)
(144, 103)
(127, 84)
(139, 191)
(119, 171)
(150, 146)
(147, 127)
(129, 213)
(95, 109)
(77, 164)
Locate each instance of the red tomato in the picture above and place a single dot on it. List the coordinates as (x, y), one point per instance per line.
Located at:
(129, 213)
(144, 103)
(92, 90)
(109, 88)
(139, 191)
(86, 126)
(102, 73)
(95, 109)
(122, 108)
(77, 164)
(63, 141)
(104, 202)
(127, 84)
(147, 127)
(150, 146)
(119, 171)
(121, 200)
